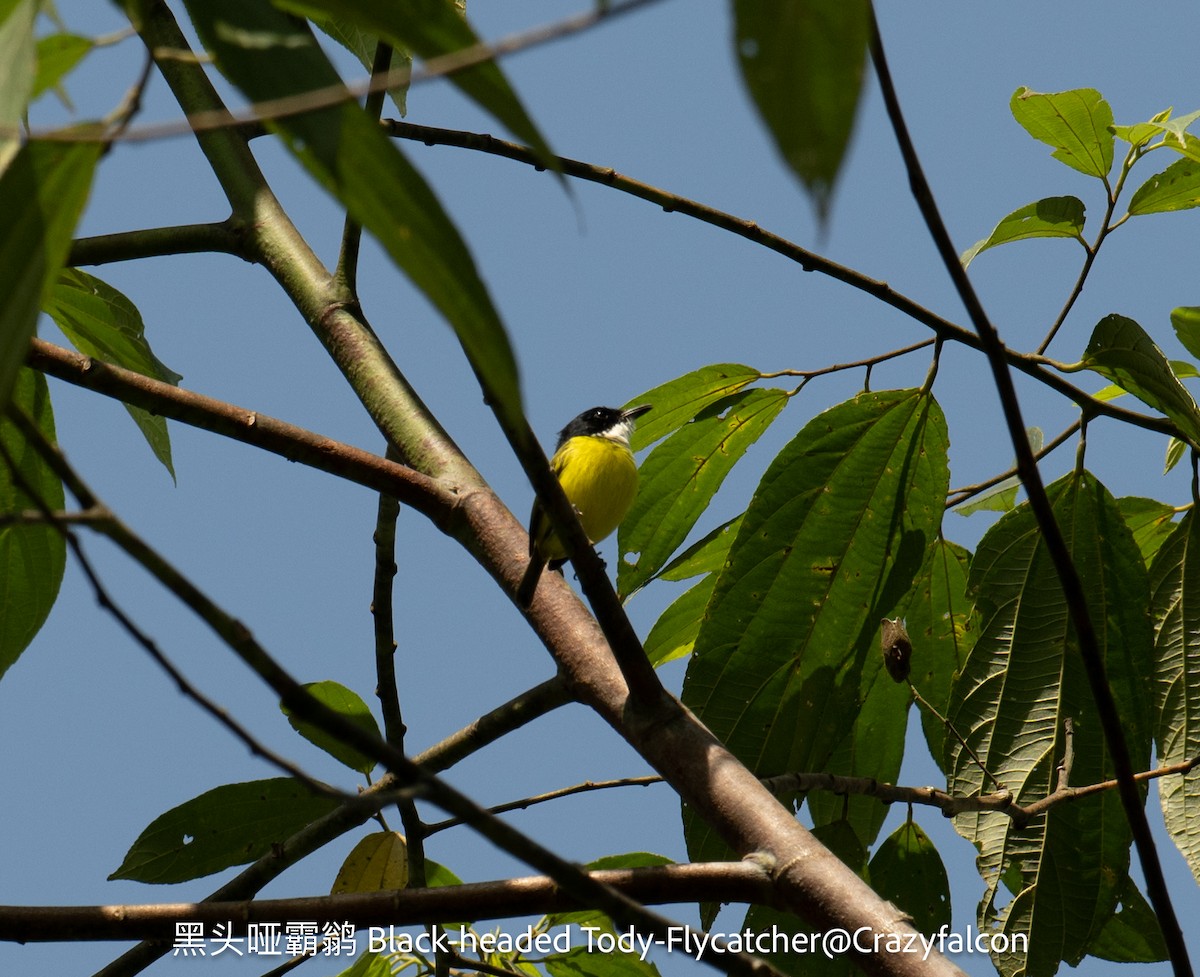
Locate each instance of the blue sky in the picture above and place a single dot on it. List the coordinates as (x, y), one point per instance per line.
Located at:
(604, 296)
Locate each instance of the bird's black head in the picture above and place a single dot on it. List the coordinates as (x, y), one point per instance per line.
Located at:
(602, 422)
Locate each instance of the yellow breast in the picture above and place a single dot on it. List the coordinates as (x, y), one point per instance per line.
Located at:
(599, 476)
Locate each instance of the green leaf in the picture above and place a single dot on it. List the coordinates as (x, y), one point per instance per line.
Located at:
(706, 555)
(229, 825)
(347, 704)
(676, 402)
(1184, 369)
(1121, 351)
(1001, 497)
(1175, 188)
(1151, 522)
(102, 322)
(32, 558)
(1076, 123)
(674, 633)
(1175, 588)
(362, 45)
(1173, 131)
(1185, 320)
(873, 748)
(18, 68)
(1137, 135)
(1175, 451)
(1051, 217)
(268, 55)
(378, 862)
(42, 194)
(1023, 679)
(838, 528)
(628, 859)
(908, 871)
(1131, 935)
(942, 628)
(57, 55)
(802, 62)
(681, 475)
(1185, 144)
(432, 28)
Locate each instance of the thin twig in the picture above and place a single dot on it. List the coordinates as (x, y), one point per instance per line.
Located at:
(122, 116)
(958, 496)
(1068, 760)
(298, 700)
(553, 795)
(998, 802)
(922, 701)
(284, 107)
(382, 611)
(866, 363)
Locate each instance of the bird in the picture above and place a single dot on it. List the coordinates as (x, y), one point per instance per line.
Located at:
(595, 466)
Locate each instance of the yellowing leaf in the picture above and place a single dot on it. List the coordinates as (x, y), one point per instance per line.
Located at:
(378, 862)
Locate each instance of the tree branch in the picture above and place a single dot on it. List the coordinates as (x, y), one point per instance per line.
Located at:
(423, 493)
(533, 895)
(1029, 364)
(225, 237)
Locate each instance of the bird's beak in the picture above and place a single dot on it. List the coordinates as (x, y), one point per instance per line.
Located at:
(634, 412)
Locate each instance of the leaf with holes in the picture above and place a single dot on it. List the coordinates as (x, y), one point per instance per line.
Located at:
(229, 825)
(1175, 188)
